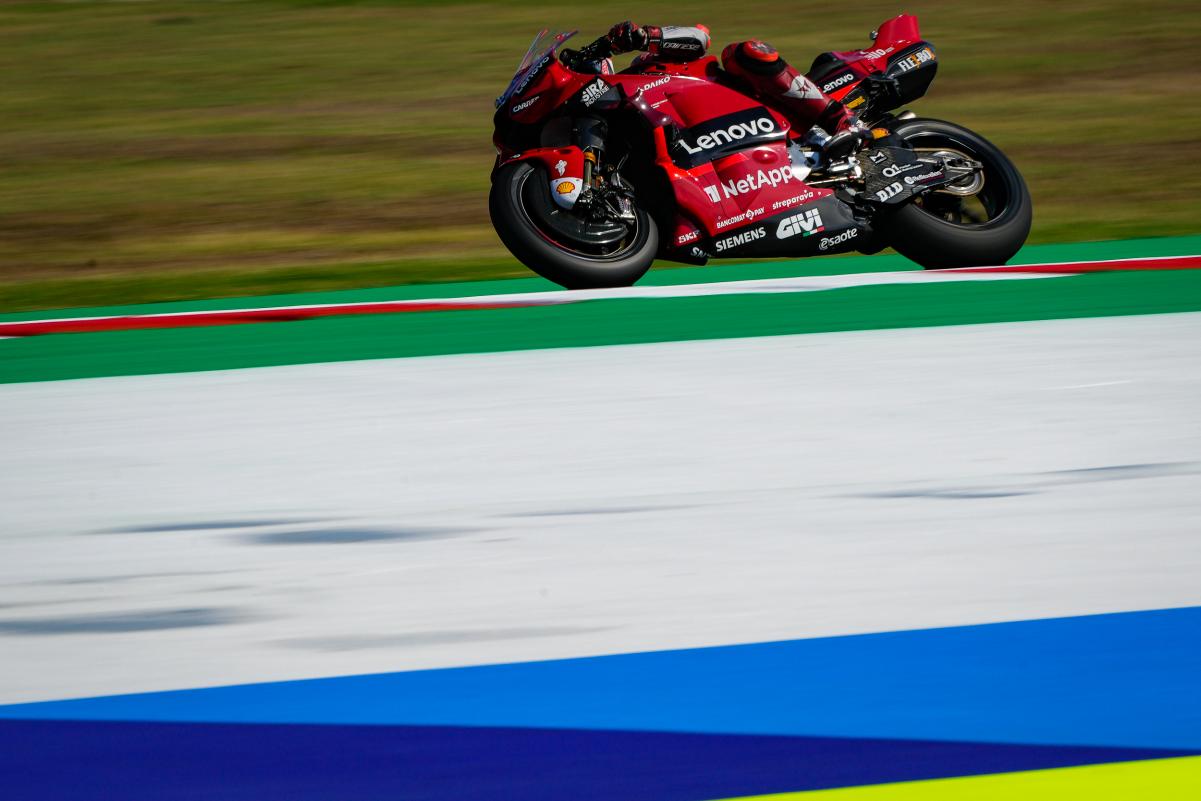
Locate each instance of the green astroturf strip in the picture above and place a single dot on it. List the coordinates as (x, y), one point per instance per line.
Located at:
(613, 322)
(1033, 254)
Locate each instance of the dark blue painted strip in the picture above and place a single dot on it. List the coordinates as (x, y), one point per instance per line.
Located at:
(73, 761)
(1120, 680)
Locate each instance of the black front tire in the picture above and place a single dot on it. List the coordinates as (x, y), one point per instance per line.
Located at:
(938, 243)
(568, 264)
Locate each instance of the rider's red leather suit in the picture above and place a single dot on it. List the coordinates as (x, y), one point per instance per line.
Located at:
(756, 63)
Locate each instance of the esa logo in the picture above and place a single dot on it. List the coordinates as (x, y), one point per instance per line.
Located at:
(806, 223)
(833, 241)
(841, 80)
(739, 239)
(890, 191)
(593, 92)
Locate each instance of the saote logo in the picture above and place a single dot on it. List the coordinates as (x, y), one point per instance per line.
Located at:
(724, 134)
(841, 80)
(740, 239)
(832, 241)
(593, 92)
(806, 223)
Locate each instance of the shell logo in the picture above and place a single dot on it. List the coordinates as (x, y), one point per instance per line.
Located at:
(565, 188)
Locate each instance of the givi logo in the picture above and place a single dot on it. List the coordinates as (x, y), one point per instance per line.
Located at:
(806, 223)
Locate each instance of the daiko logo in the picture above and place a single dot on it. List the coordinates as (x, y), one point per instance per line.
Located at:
(806, 223)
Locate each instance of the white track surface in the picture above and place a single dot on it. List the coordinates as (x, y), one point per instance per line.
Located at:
(250, 525)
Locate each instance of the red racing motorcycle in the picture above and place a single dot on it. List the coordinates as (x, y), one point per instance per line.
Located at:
(599, 173)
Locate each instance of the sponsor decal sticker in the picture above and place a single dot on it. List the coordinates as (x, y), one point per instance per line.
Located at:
(754, 183)
(856, 103)
(691, 236)
(839, 239)
(923, 178)
(893, 170)
(890, 191)
(793, 201)
(593, 92)
(520, 107)
(700, 254)
(915, 60)
(877, 157)
(877, 53)
(755, 127)
(806, 223)
(841, 80)
(566, 191)
(521, 87)
(711, 191)
(740, 239)
(746, 216)
(654, 84)
(561, 167)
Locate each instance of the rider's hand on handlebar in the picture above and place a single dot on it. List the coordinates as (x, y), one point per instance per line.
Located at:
(627, 36)
(576, 59)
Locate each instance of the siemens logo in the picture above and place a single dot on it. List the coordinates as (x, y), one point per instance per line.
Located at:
(739, 239)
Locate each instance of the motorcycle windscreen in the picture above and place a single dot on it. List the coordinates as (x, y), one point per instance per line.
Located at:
(540, 53)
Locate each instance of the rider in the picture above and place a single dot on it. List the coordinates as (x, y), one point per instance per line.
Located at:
(761, 67)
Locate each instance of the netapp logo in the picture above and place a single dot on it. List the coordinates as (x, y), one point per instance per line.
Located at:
(740, 239)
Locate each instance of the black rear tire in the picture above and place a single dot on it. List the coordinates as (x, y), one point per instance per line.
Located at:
(517, 214)
(935, 242)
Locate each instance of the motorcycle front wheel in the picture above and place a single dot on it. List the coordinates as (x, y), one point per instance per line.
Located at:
(573, 251)
(980, 221)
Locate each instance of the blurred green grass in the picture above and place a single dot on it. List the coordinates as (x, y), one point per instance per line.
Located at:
(164, 150)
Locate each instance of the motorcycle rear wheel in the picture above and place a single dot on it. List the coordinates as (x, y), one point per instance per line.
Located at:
(556, 244)
(939, 230)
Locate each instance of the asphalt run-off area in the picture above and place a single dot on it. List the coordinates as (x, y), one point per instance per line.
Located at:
(839, 528)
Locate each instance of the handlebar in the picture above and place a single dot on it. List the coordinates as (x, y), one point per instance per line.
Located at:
(573, 59)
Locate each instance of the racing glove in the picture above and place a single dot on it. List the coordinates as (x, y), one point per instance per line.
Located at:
(627, 36)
